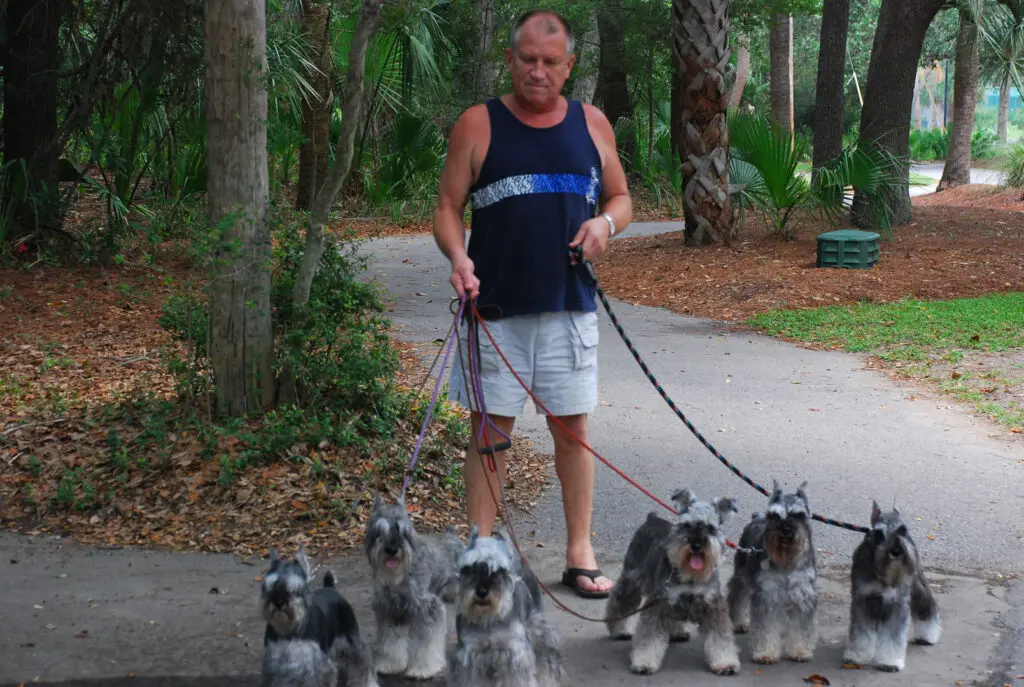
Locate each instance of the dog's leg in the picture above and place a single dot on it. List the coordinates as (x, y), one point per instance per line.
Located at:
(925, 613)
(356, 661)
(862, 638)
(739, 603)
(891, 650)
(681, 631)
(766, 626)
(651, 640)
(720, 649)
(547, 653)
(391, 654)
(623, 600)
(427, 657)
(801, 635)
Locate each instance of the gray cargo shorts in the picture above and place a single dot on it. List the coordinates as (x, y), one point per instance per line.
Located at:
(555, 354)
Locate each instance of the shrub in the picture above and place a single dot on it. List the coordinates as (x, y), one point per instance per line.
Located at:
(1015, 167)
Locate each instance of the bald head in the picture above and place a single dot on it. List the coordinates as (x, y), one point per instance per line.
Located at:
(546, 23)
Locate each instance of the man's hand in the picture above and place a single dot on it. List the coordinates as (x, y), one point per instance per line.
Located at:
(463, 279)
(593, 236)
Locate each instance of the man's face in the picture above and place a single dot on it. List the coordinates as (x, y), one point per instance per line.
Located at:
(539, 66)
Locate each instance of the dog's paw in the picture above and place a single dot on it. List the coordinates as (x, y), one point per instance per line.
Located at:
(799, 656)
(726, 669)
(619, 636)
(740, 629)
(642, 669)
(889, 668)
(680, 637)
(765, 659)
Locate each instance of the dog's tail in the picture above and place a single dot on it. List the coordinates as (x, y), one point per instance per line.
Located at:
(329, 580)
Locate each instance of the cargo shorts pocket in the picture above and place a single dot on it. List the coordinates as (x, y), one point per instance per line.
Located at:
(584, 335)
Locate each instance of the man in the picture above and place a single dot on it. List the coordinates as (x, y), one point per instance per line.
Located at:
(534, 167)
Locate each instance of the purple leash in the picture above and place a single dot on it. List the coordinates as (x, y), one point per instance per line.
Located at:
(433, 401)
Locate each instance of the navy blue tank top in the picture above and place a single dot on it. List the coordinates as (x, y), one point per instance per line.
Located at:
(536, 187)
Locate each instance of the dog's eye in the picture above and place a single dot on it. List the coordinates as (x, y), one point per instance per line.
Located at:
(879, 536)
(902, 531)
(800, 515)
(772, 515)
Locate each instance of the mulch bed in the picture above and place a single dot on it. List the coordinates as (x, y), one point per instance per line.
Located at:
(963, 242)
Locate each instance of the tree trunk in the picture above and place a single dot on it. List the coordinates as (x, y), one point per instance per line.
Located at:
(30, 93)
(236, 121)
(885, 119)
(742, 71)
(676, 116)
(587, 65)
(315, 151)
(830, 102)
(1003, 118)
(352, 102)
(613, 79)
(700, 53)
(780, 50)
(485, 71)
(957, 170)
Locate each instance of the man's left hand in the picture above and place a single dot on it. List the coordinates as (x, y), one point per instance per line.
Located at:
(593, 236)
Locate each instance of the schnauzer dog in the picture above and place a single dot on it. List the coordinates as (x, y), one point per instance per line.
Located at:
(312, 638)
(504, 639)
(414, 577)
(670, 578)
(889, 588)
(773, 590)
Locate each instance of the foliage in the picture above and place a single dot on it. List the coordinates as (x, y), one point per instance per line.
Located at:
(933, 144)
(765, 169)
(1015, 167)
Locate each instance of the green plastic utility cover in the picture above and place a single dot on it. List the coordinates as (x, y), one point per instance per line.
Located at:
(849, 248)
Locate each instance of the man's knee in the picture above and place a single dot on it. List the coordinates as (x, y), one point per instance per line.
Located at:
(569, 430)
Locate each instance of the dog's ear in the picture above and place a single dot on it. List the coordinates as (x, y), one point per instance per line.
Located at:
(776, 491)
(474, 533)
(303, 560)
(684, 498)
(378, 502)
(801, 491)
(725, 507)
(274, 557)
(875, 512)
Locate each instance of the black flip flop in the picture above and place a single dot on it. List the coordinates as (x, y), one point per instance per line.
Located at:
(569, 580)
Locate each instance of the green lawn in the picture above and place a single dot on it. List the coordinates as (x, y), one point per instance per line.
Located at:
(919, 335)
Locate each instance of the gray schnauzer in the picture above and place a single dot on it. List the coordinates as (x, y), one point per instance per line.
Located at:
(773, 590)
(889, 588)
(504, 639)
(312, 638)
(670, 575)
(414, 577)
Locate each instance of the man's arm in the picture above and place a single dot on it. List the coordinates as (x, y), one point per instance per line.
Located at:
(593, 234)
(456, 180)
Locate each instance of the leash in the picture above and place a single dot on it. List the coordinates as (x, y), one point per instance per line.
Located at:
(576, 258)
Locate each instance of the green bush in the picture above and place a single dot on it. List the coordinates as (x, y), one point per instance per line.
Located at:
(928, 144)
(1015, 167)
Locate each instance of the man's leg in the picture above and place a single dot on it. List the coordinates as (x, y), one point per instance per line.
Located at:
(480, 481)
(574, 466)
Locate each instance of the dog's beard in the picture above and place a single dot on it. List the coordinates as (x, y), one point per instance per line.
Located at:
(494, 607)
(286, 620)
(787, 550)
(698, 565)
(895, 561)
(393, 568)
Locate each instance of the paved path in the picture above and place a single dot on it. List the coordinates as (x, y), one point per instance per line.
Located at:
(777, 410)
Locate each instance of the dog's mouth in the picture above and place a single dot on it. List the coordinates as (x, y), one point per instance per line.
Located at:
(696, 561)
(391, 563)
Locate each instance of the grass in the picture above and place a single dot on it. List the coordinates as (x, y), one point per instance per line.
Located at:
(916, 334)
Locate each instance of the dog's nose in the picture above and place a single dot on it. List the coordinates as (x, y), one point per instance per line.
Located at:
(897, 549)
(695, 547)
(482, 592)
(786, 527)
(391, 550)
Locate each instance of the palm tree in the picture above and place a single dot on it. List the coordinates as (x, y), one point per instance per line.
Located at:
(700, 52)
(1002, 56)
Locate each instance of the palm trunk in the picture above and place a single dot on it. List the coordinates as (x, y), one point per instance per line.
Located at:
(885, 119)
(781, 57)
(957, 170)
(700, 53)
(485, 70)
(1003, 119)
(742, 71)
(586, 67)
(30, 93)
(236, 115)
(314, 153)
(830, 102)
(352, 102)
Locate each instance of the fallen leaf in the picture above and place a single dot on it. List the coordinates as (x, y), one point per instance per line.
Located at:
(84, 634)
(817, 680)
(852, 666)
(814, 410)
(51, 626)
(931, 537)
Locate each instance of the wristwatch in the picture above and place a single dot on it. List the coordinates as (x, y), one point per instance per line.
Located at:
(611, 224)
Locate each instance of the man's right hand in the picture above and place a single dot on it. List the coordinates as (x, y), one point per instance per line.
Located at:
(463, 279)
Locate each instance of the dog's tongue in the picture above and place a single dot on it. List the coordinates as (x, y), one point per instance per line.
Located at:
(391, 562)
(696, 561)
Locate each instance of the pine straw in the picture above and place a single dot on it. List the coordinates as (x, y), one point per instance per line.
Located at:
(75, 341)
